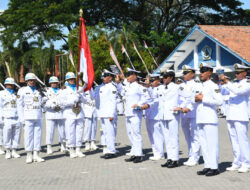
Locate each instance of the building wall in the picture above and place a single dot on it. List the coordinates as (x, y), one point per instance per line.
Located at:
(189, 60)
(227, 59)
(211, 44)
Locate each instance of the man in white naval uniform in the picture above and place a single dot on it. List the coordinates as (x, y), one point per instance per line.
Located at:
(54, 115)
(90, 121)
(188, 116)
(1, 130)
(135, 97)
(237, 118)
(152, 116)
(29, 105)
(12, 127)
(207, 99)
(169, 100)
(105, 96)
(74, 116)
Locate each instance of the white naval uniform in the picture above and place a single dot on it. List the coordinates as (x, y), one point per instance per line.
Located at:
(12, 127)
(188, 120)
(168, 97)
(207, 122)
(29, 105)
(134, 93)
(237, 121)
(73, 121)
(120, 105)
(90, 118)
(105, 96)
(54, 118)
(1, 124)
(154, 124)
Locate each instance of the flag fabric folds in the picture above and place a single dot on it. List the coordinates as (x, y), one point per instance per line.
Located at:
(112, 54)
(85, 64)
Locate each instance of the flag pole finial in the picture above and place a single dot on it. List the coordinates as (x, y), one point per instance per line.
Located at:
(80, 12)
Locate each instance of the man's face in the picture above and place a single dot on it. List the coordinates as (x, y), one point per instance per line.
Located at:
(187, 76)
(107, 79)
(9, 86)
(131, 78)
(72, 81)
(54, 84)
(205, 74)
(240, 75)
(31, 82)
(156, 83)
(167, 80)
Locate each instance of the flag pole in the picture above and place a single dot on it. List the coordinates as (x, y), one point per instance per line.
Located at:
(141, 58)
(145, 45)
(79, 49)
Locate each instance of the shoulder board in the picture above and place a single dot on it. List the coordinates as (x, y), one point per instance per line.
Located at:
(217, 90)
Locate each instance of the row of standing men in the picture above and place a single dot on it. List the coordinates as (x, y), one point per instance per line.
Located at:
(164, 105)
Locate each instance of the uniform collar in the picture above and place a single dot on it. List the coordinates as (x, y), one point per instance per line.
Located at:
(11, 91)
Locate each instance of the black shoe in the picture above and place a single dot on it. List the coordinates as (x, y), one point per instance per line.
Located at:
(203, 172)
(173, 164)
(213, 172)
(131, 159)
(167, 163)
(103, 156)
(138, 159)
(109, 156)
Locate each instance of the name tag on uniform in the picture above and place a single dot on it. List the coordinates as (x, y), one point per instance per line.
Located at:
(181, 88)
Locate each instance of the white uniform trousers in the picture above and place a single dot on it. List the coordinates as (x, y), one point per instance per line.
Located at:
(150, 130)
(33, 134)
(158, 138)
(108, 128)
(50, 130)
(1, 134)
(115, 124)
(189, 128)
(11, 133)
(120, 108)
(170, 131)
(75, 132)
(133, 125)
(208, 137)
(238, 133)
(90, 129)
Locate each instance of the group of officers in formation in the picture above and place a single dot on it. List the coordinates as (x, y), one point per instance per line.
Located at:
(164, 104)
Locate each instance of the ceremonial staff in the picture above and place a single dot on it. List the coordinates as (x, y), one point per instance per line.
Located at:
(141, 58)
(145, 45)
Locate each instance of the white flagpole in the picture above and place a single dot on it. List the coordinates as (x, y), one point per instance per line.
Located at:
(141, 58)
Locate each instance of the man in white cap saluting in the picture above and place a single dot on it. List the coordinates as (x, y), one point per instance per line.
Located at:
(54, 115)
(188, 116)
(135, 98)
(207, 99)
(238, 118)
(30, 102)
(12, 127)
(74, 115)
(105, 96)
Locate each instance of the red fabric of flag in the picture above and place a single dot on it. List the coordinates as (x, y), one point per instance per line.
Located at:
(85, 60)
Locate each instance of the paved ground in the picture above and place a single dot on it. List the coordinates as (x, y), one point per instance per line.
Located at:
(92, 172)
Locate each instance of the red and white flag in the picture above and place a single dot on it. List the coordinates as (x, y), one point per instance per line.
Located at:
(145, 45)
(112, 54)
(85, 64)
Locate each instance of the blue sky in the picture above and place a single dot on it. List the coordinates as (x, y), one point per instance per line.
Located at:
(4, 5)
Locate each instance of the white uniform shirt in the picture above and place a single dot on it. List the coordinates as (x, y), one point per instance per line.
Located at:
(71, 99)
(53, 105)
(206, 110)
(153, 111)
(187, 91)
(133, 93)
(89, 108)
(238, 109)
(29, 104)
(8, 104)
(105, 96)
(168, 100)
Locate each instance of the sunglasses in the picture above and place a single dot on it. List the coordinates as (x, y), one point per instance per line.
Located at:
(186, 72)
(237, 73)
(205, 69)
(107, 75)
